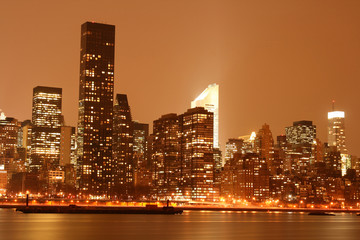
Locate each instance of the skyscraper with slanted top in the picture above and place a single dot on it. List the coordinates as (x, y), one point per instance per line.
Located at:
(95, 121)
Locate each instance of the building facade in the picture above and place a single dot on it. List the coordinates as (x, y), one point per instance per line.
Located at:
(95, 120)
(47, 120)
(123, 147)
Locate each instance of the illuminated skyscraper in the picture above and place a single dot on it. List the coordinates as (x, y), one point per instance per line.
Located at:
(336, 130)
(123, 147)
(95, 121)
(197, 154)
(336, 137)
(9, 128)
(47, 121)
(301, 138)
(209, 99)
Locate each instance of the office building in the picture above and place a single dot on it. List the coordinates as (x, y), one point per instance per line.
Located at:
(47, 121)
(123, 147)
(166, 162)
(197, 154)
(209, 99)
(95, 120)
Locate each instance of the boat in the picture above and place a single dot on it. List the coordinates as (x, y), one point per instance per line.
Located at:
(74, 209)
(321, 214)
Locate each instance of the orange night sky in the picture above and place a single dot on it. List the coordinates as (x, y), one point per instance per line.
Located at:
(276, 61)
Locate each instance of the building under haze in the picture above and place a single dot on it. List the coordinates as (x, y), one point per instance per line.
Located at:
(336, 137)
(47, 120)
(166, 156)
(209, 99)
(95, 120)
(123, 147)
(336, 130)
(197, 154)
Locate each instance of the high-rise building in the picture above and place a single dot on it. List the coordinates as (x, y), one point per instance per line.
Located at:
(302, 132)
(142, 173)
(336, 130)
(24, 141)
(9, 128)
(209, 99)
(95, 121)
(197, 154)
(300, 138)
(47, 121)
(264, 144)
(166, 156)
(123, 147)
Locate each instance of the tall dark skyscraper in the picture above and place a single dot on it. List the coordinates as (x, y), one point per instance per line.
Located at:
(96, 108)
(166, 156)
(47, 120)
(123, 147)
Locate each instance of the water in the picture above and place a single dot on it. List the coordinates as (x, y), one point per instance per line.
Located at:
(189, 225)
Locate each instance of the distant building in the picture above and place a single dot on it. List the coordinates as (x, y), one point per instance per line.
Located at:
(56, 176)
(300, 138)
(264, 144)
(24, 142)
(95, 123)
(209, 99)
(142, 165)
(123, 161)
(246, 177)
(301, 133)
(232, 146)
(47, 121)
(9, 128)
(336, 130)
(336, 137)
(67, 146)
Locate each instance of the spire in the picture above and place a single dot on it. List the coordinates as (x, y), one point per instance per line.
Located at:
(333, 105)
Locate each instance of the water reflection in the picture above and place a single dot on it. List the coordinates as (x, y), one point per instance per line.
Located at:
(190, 225)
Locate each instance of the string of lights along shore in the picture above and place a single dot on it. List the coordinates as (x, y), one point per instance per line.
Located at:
(108, 155)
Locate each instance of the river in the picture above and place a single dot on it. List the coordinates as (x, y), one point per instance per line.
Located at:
(190, 225)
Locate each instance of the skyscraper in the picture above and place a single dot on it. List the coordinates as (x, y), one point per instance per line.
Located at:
(209, 99)
(9, 128)
(47, 121)
(336, 130)
(264, 144)
(166, 156)
(197, 154)
(123, 147)
(301, 138)
(336, 136)
(96, 108)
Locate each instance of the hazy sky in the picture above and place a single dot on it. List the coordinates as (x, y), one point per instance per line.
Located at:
(275, 61)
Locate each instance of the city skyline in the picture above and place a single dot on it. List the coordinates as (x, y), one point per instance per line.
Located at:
(200, 64)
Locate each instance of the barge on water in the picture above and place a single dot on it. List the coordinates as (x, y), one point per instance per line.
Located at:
(73, 209)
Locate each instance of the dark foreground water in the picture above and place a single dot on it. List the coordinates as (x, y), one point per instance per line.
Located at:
(190, 225)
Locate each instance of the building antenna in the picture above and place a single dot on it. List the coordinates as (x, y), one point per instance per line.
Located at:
(333, 105)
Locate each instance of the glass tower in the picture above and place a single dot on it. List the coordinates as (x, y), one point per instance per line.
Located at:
(209, 99)
(47, 120)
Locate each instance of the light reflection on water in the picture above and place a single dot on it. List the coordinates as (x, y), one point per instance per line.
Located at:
(189, 225)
